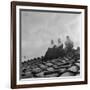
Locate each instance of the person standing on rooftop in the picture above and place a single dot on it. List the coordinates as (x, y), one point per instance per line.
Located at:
(52, 44)
(68, 44)
(59, 43)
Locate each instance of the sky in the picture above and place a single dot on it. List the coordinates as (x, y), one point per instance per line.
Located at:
(39, 28)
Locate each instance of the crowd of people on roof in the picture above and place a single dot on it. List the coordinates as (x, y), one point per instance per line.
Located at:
(68, 43)
(59, 50)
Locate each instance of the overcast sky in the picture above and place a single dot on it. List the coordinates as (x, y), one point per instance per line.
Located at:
(39, 28)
